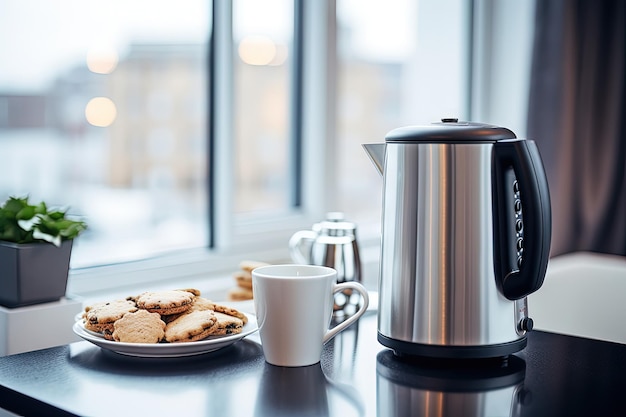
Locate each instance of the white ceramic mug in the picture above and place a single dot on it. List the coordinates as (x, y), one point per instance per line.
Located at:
(294, 306)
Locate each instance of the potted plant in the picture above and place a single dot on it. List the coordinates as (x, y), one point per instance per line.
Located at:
(35, 251)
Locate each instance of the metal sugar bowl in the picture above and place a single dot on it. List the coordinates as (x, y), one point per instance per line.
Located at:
(331, 243)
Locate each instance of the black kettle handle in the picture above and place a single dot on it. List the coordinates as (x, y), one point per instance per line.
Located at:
(519, 160)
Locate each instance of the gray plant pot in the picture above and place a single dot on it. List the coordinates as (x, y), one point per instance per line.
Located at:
(33, 273)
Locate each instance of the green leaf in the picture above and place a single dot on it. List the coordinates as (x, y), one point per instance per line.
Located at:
(21, 222)
(14, 205)
(29, 224)
(55, 240)
(26, 213)
(48, 226)
(73, 230)
(57, 215)
(41, 208)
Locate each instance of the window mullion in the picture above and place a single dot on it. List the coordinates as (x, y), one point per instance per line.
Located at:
(318, 107)
(222, 184)
(296, 105)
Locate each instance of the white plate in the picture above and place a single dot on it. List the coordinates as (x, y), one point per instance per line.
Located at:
(166, 350)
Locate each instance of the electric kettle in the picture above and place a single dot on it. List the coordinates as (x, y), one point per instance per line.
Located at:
(466, 230)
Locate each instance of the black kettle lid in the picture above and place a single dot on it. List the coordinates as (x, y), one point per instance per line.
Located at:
(450, 131)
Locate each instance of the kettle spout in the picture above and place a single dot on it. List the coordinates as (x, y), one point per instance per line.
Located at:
(376, 152)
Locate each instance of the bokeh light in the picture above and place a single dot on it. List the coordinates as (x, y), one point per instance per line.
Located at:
(100, 111)
(102, 59)
(257, 50)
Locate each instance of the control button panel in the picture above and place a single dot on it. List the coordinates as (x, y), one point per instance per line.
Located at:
(519, 223)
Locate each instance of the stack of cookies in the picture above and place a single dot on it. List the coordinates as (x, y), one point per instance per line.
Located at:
(163, 316)
(243, 280)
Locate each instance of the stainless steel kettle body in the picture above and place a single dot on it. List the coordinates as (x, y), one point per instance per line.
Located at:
(466, 236)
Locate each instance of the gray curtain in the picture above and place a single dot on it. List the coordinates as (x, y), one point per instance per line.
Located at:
(577, 116)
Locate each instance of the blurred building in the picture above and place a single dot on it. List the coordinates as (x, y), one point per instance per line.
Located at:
(159, 136)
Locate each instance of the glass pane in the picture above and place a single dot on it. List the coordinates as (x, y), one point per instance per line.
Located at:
(103, 109)
(263, 37)
(374, 42)
(400, 62)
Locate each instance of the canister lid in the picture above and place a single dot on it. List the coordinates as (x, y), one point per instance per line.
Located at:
(450, 131)
(335, 225)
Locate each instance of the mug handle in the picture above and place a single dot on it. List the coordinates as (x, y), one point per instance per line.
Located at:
(362, 309)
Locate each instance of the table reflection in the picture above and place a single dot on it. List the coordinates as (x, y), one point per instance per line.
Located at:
(427, 387)
(297, 391)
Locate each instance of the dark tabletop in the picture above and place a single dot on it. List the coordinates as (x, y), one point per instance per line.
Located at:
(555, 375)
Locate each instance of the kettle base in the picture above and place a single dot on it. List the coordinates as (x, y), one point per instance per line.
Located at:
(402, 348)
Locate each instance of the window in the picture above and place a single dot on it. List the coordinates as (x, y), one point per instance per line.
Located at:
(195, 134)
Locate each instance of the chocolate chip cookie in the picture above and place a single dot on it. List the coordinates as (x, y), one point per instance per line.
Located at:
(140, 326)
